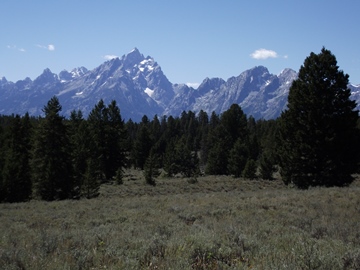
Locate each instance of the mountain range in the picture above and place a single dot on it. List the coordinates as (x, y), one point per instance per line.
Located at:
(140, 87)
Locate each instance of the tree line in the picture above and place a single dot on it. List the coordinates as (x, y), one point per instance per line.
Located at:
(314, 142)
(54, 158)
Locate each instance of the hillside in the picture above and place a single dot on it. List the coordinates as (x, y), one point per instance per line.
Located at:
(140, 87)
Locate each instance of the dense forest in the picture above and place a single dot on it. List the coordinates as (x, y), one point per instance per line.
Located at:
(314, 142)
(53, 158)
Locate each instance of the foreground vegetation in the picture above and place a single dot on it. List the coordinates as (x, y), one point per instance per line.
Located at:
(218, 222)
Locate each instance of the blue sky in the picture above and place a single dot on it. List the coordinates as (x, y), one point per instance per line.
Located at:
(191, 40)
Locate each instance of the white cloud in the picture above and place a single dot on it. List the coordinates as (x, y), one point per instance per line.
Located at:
(264, 54)
(14, 47)
(49, 47)
(110, 56)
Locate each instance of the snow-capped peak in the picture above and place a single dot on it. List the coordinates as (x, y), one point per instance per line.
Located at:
(77, 72)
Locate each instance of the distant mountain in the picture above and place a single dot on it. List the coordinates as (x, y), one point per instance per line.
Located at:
(141, 88)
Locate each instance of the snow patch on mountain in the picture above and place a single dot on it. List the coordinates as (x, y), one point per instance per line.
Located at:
(140, 88)
(149, 92)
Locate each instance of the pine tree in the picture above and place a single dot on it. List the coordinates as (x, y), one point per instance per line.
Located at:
(142, 146)
(91, 180)
(151, 169)
(116, 141)
(237, 158)
(179, 159)
(217, 161)
(51, 159)
(250, 169)
(80, 148)
(320, 141)
(97, 121)
(108, 136)
(234, 121)
(16, 175)
(267, 165)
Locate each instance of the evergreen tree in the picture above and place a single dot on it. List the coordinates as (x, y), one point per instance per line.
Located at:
(155, 129)
(320, 141)
(51, 159)
(267, 165)
(214, 120)
(91, 180)
(237, 158)
(220, 142)
(116, 141)
(16, 175)
(151, 169)
(179, 159)
(97, 122)
(234, 121)
(142, 146)
(108, 137)
(250, 169)
(80, 148)
(201, 136)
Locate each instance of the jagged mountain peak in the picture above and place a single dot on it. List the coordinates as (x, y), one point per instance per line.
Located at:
(107, 69)
(140, 88)
(66, 76)
(132, 58)
(259, 69)
(287, 71)
(77, 72)
(211, 81)
(46, 77)
(210, 84)
(287, 76)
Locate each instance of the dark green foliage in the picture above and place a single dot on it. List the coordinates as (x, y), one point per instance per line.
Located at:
(237, 158)
(116, 140)
(80, 147)
(267, 165)
(235, 123)
(97, 121)
(179, 159)
(250, 169)
(217, 160)
(170, 165)
(71, 158)
(151, 169)
(220, 142)
(108, 138)
(16, 177)
(91, 180)
(319, 135)
(223, 157)
(51, 159)
(142, 146)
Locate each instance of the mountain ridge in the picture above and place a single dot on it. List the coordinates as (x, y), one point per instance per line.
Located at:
(140, 88)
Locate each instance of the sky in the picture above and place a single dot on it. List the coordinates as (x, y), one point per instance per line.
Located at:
(190, 39)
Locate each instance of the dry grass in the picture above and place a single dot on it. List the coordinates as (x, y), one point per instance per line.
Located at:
(216, 223)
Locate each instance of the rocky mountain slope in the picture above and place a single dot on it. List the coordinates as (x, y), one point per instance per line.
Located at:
(140, 88)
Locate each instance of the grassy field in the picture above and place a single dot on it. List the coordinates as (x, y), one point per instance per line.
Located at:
(217, 223)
